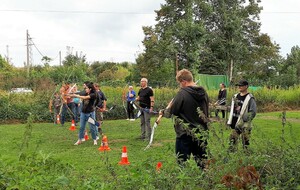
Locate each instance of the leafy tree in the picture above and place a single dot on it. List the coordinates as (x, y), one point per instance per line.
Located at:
(208, 36)
(177, 37)
(289, 69)
(235, 43)
(293, 60)
(71, 60)
(4, 66)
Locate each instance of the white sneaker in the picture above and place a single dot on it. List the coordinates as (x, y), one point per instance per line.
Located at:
(83, 139)
(132, 119)
(95, 142)
(127, 119)
(78, 142)
(97, 138)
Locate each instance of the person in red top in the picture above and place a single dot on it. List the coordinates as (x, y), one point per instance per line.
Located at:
(68, 104)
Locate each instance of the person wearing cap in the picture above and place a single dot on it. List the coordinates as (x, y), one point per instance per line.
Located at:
(242, 111)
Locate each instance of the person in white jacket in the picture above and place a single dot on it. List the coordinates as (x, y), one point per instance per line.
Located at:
(243, 110)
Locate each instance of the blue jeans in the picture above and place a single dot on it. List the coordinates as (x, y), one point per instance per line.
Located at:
(83, 119)
(67, 107)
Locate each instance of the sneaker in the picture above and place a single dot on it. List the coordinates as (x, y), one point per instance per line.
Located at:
(132, 119)
(97, 138)
(78, 142)
(95, 142)
(127, 119)
(83, 139)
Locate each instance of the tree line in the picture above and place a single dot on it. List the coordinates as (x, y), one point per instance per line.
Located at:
(204, 36)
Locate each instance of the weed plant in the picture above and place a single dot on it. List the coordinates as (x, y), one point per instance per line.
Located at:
(42, 156)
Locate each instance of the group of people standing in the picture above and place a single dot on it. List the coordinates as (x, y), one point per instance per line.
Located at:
(189, 110)
(83, 106)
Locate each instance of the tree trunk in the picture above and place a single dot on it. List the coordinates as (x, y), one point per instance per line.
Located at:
(231, 70)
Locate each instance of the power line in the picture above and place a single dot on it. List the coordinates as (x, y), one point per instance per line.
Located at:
(74, 12)
(280, 12)
(117, 12)
(37, 49)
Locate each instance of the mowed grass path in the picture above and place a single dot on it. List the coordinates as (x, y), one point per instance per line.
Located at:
(57, 142)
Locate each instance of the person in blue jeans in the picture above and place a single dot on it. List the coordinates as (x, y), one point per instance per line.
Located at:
(130, 97)
(88, 111)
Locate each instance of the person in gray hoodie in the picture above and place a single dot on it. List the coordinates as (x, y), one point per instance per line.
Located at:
(189, 109)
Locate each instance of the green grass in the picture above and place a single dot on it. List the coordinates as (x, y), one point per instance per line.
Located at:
(94, 169)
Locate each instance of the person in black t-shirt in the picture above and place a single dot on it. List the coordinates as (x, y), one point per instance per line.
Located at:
(100, 107)
(88, 111)
(146, 101)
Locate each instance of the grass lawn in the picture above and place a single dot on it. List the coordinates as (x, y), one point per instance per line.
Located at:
(87, 162)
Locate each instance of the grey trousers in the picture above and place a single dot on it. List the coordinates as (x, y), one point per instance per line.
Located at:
(145, 125)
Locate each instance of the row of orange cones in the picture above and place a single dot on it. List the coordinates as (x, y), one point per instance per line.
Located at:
(104, 146)
(72, 128)
(124, 158)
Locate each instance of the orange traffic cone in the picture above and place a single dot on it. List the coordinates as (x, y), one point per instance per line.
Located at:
(86, 136)
(57, 119)
(72, 128)
(124, 159)
(104, 144)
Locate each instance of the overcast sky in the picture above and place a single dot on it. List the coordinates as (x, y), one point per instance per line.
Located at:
(108, 30)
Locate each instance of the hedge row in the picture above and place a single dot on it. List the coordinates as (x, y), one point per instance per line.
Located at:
(17, 107)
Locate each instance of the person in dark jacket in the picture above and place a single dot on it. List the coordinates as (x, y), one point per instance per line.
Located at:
(221, 99)
(242, 112)
(189, 109)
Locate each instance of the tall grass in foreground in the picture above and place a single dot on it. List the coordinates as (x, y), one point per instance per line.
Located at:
(38, 156)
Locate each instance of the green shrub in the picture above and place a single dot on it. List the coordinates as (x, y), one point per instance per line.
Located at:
(18, 106)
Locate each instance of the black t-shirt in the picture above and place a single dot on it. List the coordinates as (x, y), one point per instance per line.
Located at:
(88, 104)
(102, 98)
(145, 95)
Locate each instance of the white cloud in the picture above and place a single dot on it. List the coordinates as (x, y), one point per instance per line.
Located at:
(102, 31)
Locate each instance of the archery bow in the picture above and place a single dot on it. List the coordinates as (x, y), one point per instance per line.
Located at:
(152, 131)
(124, 98)
(155, 125)
(141, 109)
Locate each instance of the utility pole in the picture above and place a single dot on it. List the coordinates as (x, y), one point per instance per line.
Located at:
(29, 52)
(7, 54)
(176, 64)
(59, 58)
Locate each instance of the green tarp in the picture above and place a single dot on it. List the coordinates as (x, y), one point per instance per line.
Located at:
(211, 82)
